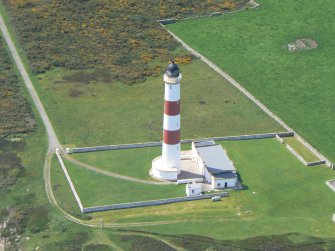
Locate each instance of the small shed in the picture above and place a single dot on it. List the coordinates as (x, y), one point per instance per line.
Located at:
(193, 189)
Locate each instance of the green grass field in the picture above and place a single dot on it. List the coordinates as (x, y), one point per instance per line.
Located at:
(117, 113)
(282, 196)
(252, 47)
(96, 189)
(129, 162)
(301, 149)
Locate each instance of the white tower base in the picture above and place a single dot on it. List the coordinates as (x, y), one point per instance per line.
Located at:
(160, 171)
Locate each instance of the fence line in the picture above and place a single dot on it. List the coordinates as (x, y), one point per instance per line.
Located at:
(316, 163)
(252, 4)
(159, 143)
(329, 183)
(73, 189)
(151, 203)
(298, 156)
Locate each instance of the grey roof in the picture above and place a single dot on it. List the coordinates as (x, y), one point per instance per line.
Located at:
(215, 158)
(193, 185)
(209, 142)
(225, 175)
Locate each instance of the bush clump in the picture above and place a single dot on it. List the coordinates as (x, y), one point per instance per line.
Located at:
(16, 115)
(120, 36)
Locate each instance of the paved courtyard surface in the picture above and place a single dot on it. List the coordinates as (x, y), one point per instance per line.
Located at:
(188, 168)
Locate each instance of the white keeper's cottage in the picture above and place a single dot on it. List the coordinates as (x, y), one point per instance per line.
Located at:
(213, 162)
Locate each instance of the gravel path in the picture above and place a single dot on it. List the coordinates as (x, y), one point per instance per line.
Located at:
(53, 141)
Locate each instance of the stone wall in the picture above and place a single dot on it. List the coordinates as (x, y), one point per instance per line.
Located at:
(114, 147)
(159, 143)
(316, 163)
(331, 184)
(297, 155)
(244, 137)
(151, 203)
(73, 189)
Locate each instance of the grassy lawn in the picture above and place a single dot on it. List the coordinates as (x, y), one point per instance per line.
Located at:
(117, 113)
(251, 47)
(129, 162)
(96, 189)
(301, 149)
(282, 196)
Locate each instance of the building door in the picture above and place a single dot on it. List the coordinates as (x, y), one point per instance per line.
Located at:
(225, 185)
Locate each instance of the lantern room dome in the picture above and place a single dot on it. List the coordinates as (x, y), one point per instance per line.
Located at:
(172, 70)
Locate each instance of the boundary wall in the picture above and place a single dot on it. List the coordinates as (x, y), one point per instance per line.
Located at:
(330, 184)
(298, 156)
(252, 4)
(159, 143)
(130, 204)
(151, 203)
(68, 178)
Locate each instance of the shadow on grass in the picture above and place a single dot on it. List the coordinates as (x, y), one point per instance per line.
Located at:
(240, 180)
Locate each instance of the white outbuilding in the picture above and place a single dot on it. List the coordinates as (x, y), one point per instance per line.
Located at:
(214, 164)
(193, 189)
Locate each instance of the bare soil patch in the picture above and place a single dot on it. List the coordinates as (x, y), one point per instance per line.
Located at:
(302, 44)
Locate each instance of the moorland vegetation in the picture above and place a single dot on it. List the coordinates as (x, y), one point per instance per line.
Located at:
(17, 120)
(122, 37)
(16, 115)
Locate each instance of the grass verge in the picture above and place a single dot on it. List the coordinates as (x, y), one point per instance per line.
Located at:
(301, 149)
(252, 47)
(96, 189)
(116, 113)
(134, 162)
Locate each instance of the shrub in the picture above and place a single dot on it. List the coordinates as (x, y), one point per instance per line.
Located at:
(108, 34)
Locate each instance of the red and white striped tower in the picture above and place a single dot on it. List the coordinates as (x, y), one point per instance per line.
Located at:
(171, 121)
(167, 166)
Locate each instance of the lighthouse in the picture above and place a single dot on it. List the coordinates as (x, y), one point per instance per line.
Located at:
(167, 166)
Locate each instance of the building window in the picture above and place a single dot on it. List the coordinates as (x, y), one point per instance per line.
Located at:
(192, 191)
(219, 184)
